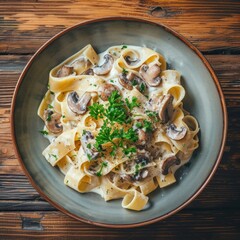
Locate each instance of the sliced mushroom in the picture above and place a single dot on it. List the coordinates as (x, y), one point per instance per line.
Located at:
(76, 104)
(88, 72)
(125, 80)
(143, 157)
(88, 141)
(65, 71)
(176, 134)
(165, 108)
(106, 91)
(131, 61)
(168, 162)
(52, 121)
(106, 67)
(151, 75)
(80, 64)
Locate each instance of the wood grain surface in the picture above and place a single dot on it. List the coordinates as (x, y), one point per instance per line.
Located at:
(212, 26)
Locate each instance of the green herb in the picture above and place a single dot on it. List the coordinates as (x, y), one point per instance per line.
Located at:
(49, 117)
(111, 81)
(138, 125)
(63, 116)
(132, 104)
(89, 156)
(89, 146)
(51, 92)
(137, 167)
(96, 110)
(142, 87)
(50, 106)
(94, 85)
(116, 111)
(55, 156)
(107, 134)
(99, 173)
(84, 132)
(152, 114)
(134, 82)
(129, 150)
(48, 86)
(124, 46)
(124, 71)
(147, 126)
(44, 132)
(130, 135)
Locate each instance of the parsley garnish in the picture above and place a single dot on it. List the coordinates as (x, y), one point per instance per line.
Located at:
(124, 71)
(134, 82)
(132, 104)
(63, 116)
(129, 150)
(55, 156)
(111, 81)
(89, 146)
(124, 46)
(96, 110)
(44, 132)
(49, 116)
(153, 115)
(50, 106)
(142, 87)
(147, 126)
(137, 169)
(99, 173)
(138, 125)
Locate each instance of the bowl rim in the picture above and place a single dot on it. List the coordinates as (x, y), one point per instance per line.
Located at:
(182, 39)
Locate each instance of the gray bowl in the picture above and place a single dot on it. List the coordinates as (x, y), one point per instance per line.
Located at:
(204, 100)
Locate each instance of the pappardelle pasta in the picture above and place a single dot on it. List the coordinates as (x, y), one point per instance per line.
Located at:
(116, 123)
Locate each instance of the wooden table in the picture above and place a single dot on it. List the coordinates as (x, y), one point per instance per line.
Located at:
(210, 25)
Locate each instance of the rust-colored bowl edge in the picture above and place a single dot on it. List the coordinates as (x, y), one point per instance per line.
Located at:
(223, 105)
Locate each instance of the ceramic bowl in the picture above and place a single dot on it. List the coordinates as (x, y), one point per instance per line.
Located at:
(204, 99)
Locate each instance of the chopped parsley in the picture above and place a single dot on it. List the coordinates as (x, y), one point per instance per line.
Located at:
(129, 150)
(49, 117)
(89, 146)
(53, 155)
(132, 104)
(124, 46)
(124, 71)
(111, 81)
(152, 114)
(134, 82)
(137, 167)
(63, 116)
(147, 126)
(99, 173)
(142, 87)
(44, 132)
(96, 110)
(50, 106)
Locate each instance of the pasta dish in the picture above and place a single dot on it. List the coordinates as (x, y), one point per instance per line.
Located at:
(116, 123)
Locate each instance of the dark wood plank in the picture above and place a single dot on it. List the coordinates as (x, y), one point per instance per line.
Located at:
(184, 225)
(211, 26)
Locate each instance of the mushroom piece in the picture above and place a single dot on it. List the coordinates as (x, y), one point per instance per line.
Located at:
(165, 108)
(105, 67)
(88, 72)
(52, 121)
(176, 134)
(65, 71)
(76, 104)
(88, 141)
(168, 162)
(143, 157)
(151, 75)
(131, 61)
(125, 80)
(106, 91)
